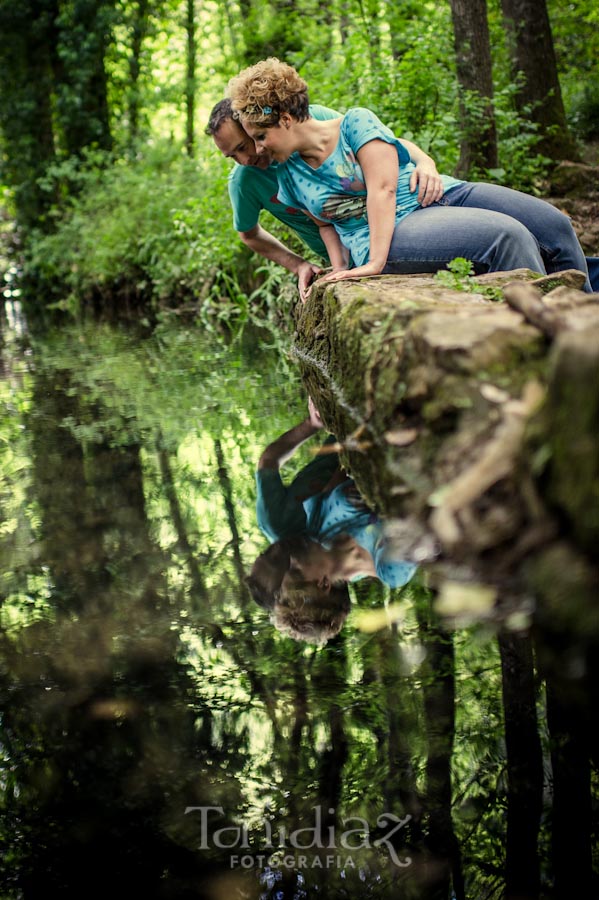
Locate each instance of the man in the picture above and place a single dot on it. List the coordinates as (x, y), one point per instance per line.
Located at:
(253, 187)
(279, 507)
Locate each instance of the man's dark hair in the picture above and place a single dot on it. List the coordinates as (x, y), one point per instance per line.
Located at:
(220, 113)
(263, 589)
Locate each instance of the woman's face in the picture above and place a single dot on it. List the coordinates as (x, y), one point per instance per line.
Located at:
(276, 140)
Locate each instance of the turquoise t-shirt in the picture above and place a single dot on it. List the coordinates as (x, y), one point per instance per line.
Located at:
(341, 512)
(279, 507)
(335, 191)
(251, 190)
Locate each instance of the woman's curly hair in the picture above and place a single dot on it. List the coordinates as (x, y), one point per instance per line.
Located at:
(260, 93)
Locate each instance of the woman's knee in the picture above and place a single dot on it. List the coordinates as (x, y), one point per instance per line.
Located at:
(514, 247)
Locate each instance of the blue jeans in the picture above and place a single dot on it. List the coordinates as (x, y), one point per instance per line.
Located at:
(498, 229)
(593, 267)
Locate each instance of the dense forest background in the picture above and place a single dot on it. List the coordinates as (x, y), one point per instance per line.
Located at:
(112, 193)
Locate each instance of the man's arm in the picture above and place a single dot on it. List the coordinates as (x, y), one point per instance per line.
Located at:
(277, 453)
(425, 175)
(261, 241)
(338, 254)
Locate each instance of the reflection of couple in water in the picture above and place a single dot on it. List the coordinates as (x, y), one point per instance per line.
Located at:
(323, 535)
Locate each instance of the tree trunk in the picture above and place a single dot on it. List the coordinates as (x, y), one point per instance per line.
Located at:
(571, 782)
(369, 13)
(396, 15)
(84, 32)
(227, 493)
(190, 81)
(539, 98)
(478, 145)
(400, 783)
(26, 104)
(438, 682)
(344, 22)
(140, 28)
(183, 542)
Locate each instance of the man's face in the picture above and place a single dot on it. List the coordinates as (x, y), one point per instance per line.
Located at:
(234, 143)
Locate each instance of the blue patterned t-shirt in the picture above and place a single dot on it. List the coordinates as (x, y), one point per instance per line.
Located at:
(336, 191)
(342, 512)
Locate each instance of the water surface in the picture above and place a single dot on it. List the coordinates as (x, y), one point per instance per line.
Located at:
(160, 739)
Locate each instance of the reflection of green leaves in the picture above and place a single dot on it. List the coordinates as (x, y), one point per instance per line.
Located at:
(271, 718)
(177, 379)
(188, 387)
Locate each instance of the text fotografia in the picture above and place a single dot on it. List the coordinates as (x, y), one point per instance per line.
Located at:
(288, 847)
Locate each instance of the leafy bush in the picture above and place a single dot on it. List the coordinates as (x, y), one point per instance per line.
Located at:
(157, 230)
(158, 227)
(584, 110)
(520, 166)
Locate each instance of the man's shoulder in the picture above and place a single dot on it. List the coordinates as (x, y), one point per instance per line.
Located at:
(248, 176)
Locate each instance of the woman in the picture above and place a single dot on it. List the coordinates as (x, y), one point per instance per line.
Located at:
(342, 540)
(354, 176)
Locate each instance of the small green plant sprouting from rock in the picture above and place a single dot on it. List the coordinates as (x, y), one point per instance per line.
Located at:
(459, 276)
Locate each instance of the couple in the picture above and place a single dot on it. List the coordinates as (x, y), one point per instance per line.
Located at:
(356, 181)
(323, 537)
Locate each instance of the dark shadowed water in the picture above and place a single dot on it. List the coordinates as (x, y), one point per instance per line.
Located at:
(160, 739)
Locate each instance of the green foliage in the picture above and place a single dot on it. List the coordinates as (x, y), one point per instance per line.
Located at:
(157, 227)
(139, 225)
(84, 31)
(584, 109)
(459, 276)
(521, 167)
(155, 230)
(413, 91)
(576, 35)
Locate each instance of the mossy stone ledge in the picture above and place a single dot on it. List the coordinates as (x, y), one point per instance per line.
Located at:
(472, 422)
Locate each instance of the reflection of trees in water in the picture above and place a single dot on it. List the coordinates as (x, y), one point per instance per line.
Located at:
(183, 543)
(104, 756)
(568, 661)
(524, 765)
(137, 724)
(227, 494)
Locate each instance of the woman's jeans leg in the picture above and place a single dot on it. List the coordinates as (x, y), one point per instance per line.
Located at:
(429, 238)
(497, 228)
(552, 229)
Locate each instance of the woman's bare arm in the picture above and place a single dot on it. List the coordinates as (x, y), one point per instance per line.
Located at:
(380, 167)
